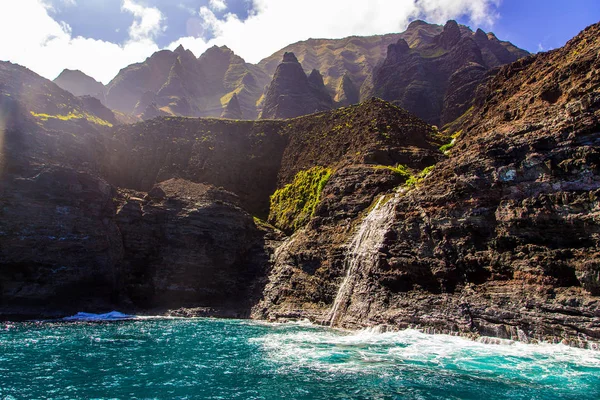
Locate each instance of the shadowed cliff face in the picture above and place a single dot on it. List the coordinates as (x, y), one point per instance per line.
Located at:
(241, 156)
(190, 244)
(500, 239)
(59, 244)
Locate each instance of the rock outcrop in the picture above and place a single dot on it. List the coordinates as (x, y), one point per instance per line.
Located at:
(59, 245)
(353, 57)
(292, 93)
(233, 109)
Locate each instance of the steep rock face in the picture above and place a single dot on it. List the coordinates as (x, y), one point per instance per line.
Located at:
(347, 93)
(184, 90)
(501, 239)
(70, 242)
(59, 246)
(292, 94)
(374, 132)
(228, 75)
(189, 244)
(251, 158)
(437, 78)
(356, 57)
(303, 280)
(241, 156)
(80, 84)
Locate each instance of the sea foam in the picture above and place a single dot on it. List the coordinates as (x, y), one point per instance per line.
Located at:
(110, 316)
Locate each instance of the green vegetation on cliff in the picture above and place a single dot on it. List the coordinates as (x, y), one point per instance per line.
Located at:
(294, 204)
(400, 169)
(72, 116)
(414, 180)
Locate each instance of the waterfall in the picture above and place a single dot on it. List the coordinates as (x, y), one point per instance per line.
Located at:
(363, 252)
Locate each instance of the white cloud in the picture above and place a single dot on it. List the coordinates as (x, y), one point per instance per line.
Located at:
(217, 5)
(274, 24)
(33, 39)
(148, 22)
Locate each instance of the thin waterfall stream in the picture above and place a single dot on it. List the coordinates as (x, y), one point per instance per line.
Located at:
(363, 252)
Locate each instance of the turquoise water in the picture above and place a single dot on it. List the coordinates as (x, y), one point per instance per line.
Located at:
(222, 359)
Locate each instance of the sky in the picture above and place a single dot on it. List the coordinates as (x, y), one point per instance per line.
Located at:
(99, 37)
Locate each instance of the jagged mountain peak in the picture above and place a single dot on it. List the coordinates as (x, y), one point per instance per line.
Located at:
(291, 93)
(450, 36)
(80, 84)
(316, 79)
(416, 23)
(215, 51)
(233, 109)
(289, 57)
(67, 71)
(480, 35)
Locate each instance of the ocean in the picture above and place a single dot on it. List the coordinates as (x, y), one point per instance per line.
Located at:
(88, 357)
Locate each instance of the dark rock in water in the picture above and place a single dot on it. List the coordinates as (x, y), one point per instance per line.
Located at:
(233, 109)
(292, 94)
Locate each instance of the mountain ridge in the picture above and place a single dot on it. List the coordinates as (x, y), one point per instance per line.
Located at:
(209, 82)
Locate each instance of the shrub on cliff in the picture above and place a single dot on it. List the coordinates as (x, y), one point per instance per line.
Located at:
(293, 205)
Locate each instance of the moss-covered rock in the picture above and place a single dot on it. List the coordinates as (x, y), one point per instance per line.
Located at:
(294, 204)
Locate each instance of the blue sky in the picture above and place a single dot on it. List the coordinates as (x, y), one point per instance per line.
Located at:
(104, 20)
(549, 24)
(101, 36)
